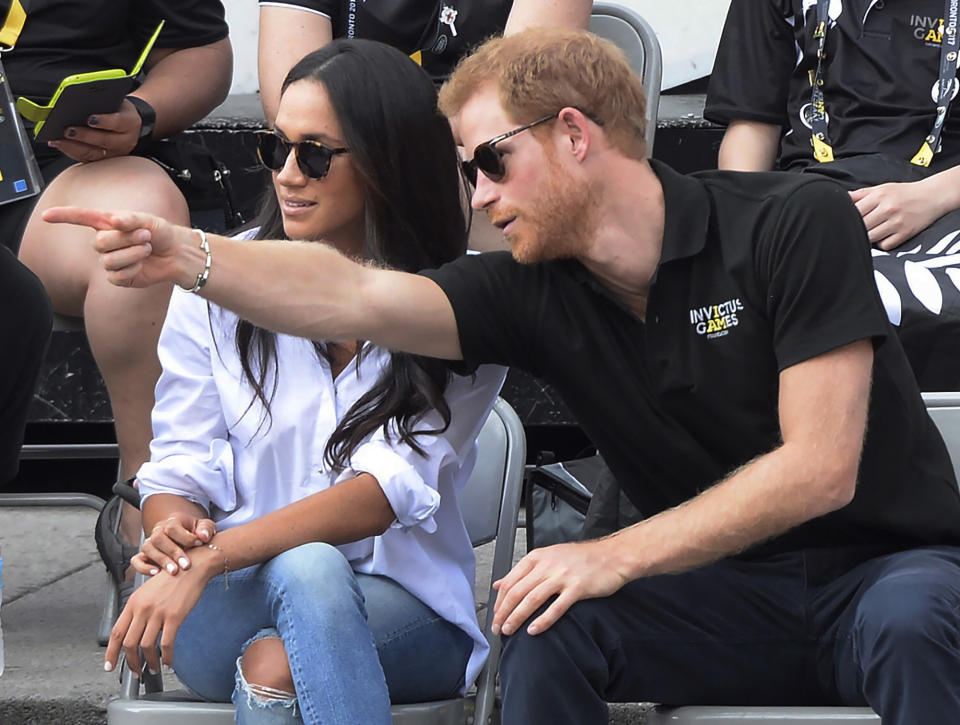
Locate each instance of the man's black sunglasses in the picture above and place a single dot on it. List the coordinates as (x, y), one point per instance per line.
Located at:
(487, 159)
(313, 157)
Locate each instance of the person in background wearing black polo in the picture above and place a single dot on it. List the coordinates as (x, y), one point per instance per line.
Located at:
(114, 160)
(853, 90)
(804, 520)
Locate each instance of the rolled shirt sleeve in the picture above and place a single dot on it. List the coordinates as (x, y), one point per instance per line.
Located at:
(409, 479)
(190, 455)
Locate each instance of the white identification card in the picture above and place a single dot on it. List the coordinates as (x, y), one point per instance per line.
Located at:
(19, 174)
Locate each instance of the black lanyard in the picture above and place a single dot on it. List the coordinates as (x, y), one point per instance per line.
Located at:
(949, 42)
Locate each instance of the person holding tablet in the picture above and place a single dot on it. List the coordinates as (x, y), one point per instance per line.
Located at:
(105, 162)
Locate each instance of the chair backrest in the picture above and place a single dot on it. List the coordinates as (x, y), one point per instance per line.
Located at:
(944, 408)
(634, 36)
(499, 468)
(490, 501)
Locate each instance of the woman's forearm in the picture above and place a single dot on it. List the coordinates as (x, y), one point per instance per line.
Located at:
(348, 511)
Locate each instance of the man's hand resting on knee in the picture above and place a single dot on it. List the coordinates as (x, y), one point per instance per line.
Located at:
(572, 572)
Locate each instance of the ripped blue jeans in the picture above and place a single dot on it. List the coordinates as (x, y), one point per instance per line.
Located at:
(354, 642)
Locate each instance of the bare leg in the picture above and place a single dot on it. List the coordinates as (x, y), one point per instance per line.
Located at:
(265, 664)
(265, 691)
(122, 325)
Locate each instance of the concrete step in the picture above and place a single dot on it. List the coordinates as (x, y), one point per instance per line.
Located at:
(53, 585)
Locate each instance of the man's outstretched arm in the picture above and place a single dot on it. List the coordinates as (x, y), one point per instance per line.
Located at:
(306, 289)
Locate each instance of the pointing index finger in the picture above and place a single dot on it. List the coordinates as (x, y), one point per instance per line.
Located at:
(97, 218)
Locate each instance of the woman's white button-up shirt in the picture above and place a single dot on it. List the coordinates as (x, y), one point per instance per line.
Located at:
(214, 447)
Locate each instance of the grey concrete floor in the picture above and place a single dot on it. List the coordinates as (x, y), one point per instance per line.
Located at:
(53, 589)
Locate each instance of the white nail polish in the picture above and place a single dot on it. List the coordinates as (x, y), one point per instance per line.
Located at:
(108, 666)
(171, 567)
(154, 572)
(183, 562)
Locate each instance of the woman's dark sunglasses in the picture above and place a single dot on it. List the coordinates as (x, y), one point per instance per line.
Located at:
(488, 160)
(313, 157)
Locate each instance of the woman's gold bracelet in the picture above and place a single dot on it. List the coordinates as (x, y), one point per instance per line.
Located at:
(226, 564)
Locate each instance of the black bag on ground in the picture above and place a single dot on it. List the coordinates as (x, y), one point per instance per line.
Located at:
(610, 510)
(557, 497)
(202, 178)
(574, 501)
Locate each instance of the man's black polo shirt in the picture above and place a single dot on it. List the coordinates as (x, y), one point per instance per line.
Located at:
(758, 272)
(882, 64)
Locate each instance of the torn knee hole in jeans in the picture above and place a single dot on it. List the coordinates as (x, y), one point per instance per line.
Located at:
(264, 696)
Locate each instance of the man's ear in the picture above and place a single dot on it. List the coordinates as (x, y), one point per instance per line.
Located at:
(576, 129)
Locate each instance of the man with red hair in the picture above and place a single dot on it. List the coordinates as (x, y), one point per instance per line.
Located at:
(723, 346)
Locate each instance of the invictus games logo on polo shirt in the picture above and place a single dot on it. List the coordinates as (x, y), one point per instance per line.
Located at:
(716, 320)
(930, 30)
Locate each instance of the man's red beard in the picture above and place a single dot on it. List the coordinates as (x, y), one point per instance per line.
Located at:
(559, 224)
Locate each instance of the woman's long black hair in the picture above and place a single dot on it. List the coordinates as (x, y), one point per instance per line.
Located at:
(403, 150)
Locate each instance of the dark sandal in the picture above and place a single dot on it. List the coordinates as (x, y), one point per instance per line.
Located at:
(114, 551)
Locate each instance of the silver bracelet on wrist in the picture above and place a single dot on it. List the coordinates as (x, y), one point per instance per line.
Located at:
(202, 277)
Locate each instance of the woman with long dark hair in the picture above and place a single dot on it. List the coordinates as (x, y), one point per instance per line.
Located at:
(308, 559)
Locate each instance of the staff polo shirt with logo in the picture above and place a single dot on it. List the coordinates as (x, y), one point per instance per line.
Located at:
(443, 30)
(879, 76)
(758, 272)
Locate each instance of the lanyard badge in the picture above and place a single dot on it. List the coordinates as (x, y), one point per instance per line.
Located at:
(19, 174)
(946, 85)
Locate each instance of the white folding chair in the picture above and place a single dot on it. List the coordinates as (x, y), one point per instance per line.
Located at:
(944, 408)
(634, 36)
(490, 501)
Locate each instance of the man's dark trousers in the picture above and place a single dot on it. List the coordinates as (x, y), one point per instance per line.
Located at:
(26, 320)
(816, 627)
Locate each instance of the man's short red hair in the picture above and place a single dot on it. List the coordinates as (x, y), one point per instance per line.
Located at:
(542, 70)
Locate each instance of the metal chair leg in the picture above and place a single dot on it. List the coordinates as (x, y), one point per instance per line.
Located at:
(111, 605)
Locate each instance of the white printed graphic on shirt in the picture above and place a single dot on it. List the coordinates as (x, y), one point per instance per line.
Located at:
(920, 280)
(935, 90)
(716, 320)
(805, 111)
(448, 16)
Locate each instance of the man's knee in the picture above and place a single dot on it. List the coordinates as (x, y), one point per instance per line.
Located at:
(569, 643)
(905, 615)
